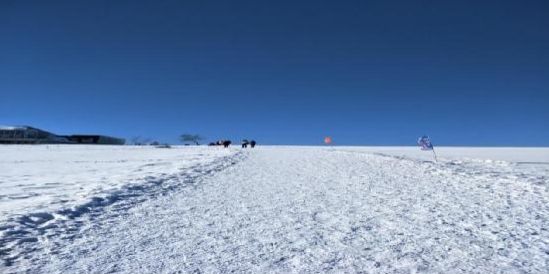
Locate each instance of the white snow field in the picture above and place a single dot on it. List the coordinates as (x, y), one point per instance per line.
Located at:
(274, 209)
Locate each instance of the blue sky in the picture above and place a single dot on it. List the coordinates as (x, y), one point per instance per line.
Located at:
(283, 72)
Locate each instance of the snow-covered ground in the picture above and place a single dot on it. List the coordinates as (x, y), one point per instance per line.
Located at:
(47, 177)
(273, 209)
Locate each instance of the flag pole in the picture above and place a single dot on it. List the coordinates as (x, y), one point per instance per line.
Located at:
(436, 161)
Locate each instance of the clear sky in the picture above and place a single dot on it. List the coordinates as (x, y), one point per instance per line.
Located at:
(280, 72)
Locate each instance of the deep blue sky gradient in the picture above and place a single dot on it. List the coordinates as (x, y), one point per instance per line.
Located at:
(282, 72)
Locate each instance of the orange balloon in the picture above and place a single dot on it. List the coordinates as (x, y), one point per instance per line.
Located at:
(328, 140)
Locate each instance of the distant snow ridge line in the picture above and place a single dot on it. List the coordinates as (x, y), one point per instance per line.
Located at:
(482, 168)
(21, 235)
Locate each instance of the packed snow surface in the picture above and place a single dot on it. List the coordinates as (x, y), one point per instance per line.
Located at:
(46, 177)
(273, 209)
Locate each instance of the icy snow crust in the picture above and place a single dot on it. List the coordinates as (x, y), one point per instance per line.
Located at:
(294, 209)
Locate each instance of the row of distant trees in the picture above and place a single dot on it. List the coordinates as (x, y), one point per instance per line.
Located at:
(138, 141)
(192, 138)
(184, 138)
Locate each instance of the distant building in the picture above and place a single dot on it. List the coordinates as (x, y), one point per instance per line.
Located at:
(30, 135)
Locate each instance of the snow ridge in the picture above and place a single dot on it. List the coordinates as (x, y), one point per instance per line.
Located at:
(529, 172)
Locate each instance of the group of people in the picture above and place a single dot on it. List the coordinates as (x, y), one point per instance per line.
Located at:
(245, 143)
(227, 143)
(224, 143)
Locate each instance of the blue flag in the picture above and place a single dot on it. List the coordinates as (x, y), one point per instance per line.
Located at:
(425, 143)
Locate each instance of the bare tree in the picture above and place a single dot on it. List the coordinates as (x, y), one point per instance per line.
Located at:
(135, 140)
(194, 138)
(146, 141)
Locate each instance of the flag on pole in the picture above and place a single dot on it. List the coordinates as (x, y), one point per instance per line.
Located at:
(425, 143)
